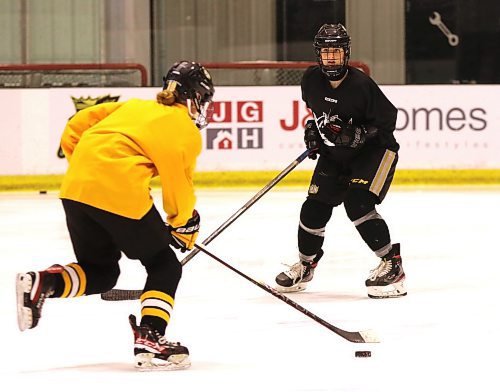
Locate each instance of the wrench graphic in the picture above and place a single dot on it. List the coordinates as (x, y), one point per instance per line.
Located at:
(435, 20)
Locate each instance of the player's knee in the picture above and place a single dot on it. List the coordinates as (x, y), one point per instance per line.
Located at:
(163, 265)
(315, 214)
(359, 203)
(100, 278)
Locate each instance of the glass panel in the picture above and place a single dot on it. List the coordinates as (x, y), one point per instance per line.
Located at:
(452, 41)
(445, 41)
(298, 22)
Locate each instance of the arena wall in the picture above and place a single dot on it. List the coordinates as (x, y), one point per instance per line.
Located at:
(260, 128)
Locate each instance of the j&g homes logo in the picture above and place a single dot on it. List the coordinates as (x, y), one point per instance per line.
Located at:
(439, 119)
(240, 125)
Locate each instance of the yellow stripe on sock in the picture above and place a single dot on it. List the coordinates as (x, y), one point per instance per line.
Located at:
(155, 312)
(82, 278)
(157, 294)
(67, 284)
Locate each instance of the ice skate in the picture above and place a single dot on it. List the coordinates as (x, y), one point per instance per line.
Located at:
(387, 280)
(298, 276)
(32, 288)
(153, 352)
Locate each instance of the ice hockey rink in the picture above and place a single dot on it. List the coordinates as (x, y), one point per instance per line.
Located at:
(443, 336)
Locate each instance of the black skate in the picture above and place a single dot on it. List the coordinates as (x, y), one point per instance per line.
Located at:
(298, 276)
(32, 288)
(153, 352)
(387, 280)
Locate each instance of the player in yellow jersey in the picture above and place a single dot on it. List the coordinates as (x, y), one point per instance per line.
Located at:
(114, 150)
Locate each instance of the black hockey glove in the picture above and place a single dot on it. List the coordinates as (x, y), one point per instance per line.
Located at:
(346, 135)
(184, 237)
(312, 139)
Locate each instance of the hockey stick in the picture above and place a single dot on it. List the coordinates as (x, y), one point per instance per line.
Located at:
(367, 336)
(122, 295)
(248, 204)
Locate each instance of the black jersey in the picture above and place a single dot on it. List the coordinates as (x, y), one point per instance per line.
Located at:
(357, 100)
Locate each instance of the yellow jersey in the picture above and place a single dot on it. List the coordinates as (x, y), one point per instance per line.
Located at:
(115, 149)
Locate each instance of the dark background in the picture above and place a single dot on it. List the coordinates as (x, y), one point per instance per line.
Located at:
(429, 57)
(297, 28)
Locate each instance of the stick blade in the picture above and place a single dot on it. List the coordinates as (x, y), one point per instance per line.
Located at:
(121, 295)
(369, 336)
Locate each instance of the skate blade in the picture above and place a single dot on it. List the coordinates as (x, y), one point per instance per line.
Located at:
(292, 289)
(146, 362)
(394, 290)
(24, 283)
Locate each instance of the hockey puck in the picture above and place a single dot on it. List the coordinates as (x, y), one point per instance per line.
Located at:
(42, 192)
(363, 354)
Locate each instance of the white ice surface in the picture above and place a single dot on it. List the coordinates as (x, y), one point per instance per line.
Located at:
(442, 337)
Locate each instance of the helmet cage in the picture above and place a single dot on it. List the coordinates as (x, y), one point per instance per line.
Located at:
(202, 109)
(192, 85)
(333, 36)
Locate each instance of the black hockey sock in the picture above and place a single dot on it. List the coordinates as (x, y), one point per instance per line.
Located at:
(77, 279)
(164, 273)
(360, 208)
(94, 279)
(314, 216)
(156, 308)
(375, 233)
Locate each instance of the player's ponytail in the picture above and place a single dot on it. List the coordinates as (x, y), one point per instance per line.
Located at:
(166, 97)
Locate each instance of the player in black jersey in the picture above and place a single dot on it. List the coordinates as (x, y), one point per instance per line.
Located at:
(352, 132)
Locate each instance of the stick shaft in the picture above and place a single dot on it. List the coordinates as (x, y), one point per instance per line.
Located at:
(248, 204)
(355, 337)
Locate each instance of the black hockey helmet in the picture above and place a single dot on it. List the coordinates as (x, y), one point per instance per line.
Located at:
(333, 36)
(192, 85)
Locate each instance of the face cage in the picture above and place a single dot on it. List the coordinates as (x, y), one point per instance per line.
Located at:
(333, 72)
(203, 112)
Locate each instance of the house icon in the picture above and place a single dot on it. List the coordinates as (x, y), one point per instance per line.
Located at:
(223, 140)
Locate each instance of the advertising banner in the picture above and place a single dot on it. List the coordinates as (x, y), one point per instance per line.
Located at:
(447, 127)
(261, 128)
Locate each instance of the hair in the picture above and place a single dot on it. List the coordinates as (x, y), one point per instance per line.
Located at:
(166, 97)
